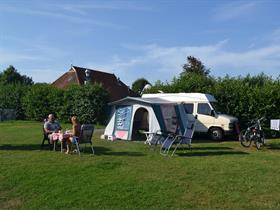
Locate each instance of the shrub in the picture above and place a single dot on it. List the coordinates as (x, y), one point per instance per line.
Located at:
(247, 97)
(40, 100)
(88, 102)
(11, 98)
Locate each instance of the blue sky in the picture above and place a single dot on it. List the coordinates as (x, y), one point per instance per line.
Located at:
(141, 38)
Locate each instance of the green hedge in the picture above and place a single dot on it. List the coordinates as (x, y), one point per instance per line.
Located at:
(40, 100)
(244, 97)
(11, 98)
(87, 102)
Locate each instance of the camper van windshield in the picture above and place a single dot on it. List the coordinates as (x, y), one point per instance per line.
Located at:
(216, 107)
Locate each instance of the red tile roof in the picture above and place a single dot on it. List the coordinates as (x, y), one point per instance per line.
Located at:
(76, 75)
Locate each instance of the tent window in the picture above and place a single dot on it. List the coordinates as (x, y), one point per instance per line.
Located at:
(188, 108)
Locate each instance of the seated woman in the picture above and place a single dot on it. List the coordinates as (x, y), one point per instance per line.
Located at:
(74, 133)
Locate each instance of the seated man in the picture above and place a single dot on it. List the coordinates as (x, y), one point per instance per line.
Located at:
(51, 126)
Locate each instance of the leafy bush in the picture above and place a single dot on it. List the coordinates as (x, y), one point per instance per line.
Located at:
(247, 97)
(88, 102)
(11, 98)
(41, 100)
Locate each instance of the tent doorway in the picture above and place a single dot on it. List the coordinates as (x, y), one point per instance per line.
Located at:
(140, 122)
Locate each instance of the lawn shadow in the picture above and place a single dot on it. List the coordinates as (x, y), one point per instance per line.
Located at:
(98, 150)
(191, 153)
(273, 146)
(209, 148)
(201, 138)
(209, 141)
(20, 147)
(135, 154)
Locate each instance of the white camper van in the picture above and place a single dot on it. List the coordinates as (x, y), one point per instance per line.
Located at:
(209, 119)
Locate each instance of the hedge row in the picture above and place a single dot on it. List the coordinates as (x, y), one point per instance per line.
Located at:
(11, 98)
(247, 97)
(37, 101)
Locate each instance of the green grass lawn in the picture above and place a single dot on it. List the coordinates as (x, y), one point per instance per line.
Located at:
(128, 175)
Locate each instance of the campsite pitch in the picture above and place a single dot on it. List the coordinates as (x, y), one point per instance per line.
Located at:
(129, 175)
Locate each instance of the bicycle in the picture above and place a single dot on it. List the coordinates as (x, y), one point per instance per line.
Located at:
(253, 133)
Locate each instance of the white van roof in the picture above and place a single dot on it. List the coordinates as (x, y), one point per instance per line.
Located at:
(182, 97)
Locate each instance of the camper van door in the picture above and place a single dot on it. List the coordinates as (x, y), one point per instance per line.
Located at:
(204, 117)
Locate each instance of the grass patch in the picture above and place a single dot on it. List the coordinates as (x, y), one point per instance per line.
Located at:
(128, 175)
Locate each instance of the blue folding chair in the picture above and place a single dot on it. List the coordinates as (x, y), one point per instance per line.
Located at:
(186, 138)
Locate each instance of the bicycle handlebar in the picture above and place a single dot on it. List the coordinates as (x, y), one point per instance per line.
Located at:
(255, 120)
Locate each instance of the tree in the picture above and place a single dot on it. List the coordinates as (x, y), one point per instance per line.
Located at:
(194, 65)
(139, 84)
(12, 76)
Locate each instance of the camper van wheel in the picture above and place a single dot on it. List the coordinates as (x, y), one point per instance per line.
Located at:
(216, 134)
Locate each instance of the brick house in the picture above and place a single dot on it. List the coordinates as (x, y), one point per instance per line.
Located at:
(80, 76)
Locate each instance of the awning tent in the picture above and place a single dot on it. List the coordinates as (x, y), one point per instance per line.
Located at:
(131, 115)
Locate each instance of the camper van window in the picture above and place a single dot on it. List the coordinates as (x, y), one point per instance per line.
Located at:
(204, 108)
(188, 108)
(216, 107)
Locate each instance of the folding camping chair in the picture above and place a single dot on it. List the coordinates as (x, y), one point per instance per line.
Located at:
(179, 139)
(187, 137)
(85, 137)
(45, 137)
(167, 144)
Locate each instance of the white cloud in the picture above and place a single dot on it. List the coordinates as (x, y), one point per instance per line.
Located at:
(157, 62)
(84, 8)
(48, 75)
(275, 36)
(237, 9)
(153, 61)
(32, 52)
(58, 12)
(10, 57)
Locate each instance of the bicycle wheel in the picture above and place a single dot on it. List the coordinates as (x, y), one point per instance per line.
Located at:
(262, 138)
(245, 139)
(258, 143)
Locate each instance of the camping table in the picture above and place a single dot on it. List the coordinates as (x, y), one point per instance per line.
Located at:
(61, 137)
(149, 136)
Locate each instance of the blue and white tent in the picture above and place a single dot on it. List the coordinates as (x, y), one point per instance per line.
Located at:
(131, 115)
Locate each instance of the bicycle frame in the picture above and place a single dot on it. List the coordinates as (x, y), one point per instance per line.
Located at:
(254, 133)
